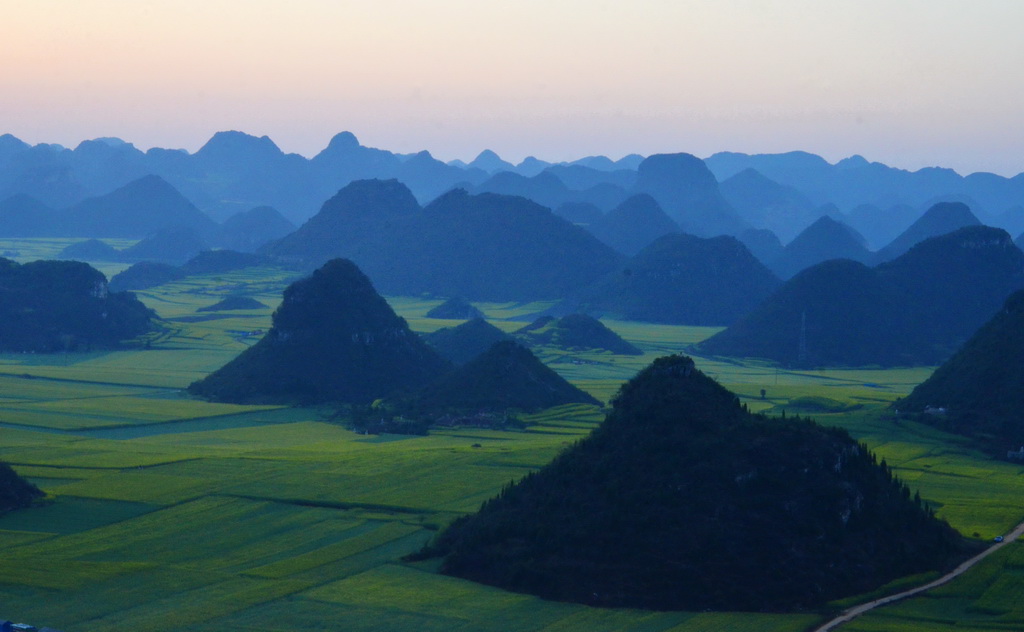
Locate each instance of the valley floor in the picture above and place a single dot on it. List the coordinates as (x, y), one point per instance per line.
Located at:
(168, 512)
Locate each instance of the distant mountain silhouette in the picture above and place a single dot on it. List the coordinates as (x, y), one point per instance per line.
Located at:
(24, 216)
(506, 376)
(688, 192)
(632, 225)
(855, 181)
(144, 275)
(763, 203)
(490, 162)
(580, 213)
(90, 250)
(233, 303)
(15, 491)
(580, 177)
(175, 244)
(488, 247)
(49, 306)
(942, 218)
(248, 230)
(455, 308)
(137, 209)
(358, 214)
(576, 332)
(544, 188)
(682, 499)
(913, 310)
(235, 171)
(823, 240)
(463, 343)
(333, 340)
(762, 243)
(980, 389)
(879, 226)
(531, 166)
(482, 247)
(682, 279)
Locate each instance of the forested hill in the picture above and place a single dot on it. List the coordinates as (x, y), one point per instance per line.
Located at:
(681, 499)
(333, 339)
(481, 247)
(916, 309)
(48, 306)
(980, 390)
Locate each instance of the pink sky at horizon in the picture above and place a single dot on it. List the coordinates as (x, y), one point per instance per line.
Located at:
(912, 84)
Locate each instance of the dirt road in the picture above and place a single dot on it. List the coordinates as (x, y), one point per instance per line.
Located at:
(856, 611)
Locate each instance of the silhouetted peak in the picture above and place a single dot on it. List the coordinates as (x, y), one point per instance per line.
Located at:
(343, 141)
(372, 198)
(639, 202)
(827, 226)
(855, 161)
(10, 143)
(234, 144)
(681, 166)
(149, 185)
(951, 211)
(490, 162)
(457, 195)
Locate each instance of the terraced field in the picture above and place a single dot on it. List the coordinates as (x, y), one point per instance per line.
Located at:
(168, 512)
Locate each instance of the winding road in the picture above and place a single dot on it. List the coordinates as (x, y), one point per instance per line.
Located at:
(856, 611)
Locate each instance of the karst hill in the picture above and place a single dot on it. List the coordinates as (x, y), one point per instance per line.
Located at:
(333, 340)
(682, 499)
(916, 309)
(979, 391)
(48, 306)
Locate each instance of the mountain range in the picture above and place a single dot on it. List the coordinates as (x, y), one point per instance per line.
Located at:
(234, 172)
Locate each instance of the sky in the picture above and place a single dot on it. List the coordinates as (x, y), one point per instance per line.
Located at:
(911, 83)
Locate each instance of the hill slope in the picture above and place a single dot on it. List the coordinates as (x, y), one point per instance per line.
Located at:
(942, 218)
(982, 385)
(505, 376)
(334, 339)
(823, 240)
(576, 331)
(683, 280)
(48, 306)
(463, 343)
(481, 247)
(620, 519)
(632, 225)
(914, 310)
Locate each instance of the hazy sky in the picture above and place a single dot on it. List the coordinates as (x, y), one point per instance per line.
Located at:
(911, 83)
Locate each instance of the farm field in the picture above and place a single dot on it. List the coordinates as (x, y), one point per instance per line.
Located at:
(169, 512)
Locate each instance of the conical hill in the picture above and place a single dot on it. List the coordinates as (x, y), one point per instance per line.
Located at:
(576, 331)
(455, 308)
(683, 500)
(334, 339)
(506, 376)
(463, 343)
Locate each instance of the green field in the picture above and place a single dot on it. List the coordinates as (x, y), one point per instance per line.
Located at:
(168, 512)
